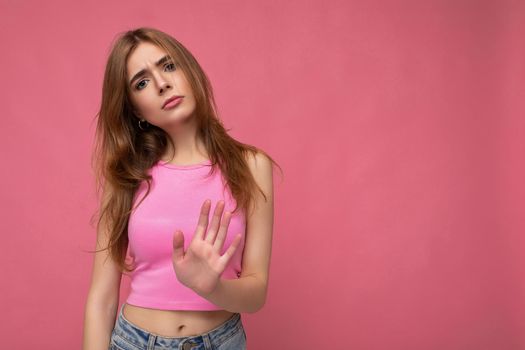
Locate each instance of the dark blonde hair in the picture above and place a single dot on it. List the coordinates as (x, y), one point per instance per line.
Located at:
(123, 153)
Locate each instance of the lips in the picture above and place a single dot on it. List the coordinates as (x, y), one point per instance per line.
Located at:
(169, 100)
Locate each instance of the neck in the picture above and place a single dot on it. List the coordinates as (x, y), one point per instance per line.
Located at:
(189, 148)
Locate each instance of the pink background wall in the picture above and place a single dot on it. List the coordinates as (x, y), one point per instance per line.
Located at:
(400, 127)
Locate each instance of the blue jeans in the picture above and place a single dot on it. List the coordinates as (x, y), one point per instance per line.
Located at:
(228, 335)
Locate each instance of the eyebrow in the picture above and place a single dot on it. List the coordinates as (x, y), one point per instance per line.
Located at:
(142, 71)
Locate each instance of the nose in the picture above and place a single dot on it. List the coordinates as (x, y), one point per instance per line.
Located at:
(162, 82)
(164, 85)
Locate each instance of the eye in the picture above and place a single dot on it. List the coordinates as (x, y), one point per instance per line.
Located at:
(139, 86)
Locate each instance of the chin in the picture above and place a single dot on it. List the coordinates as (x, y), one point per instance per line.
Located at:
(176, 118)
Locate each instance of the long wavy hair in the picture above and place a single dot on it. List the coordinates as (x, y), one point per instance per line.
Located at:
(123, 153)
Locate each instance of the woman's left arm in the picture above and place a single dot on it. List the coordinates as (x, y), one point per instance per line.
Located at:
(248, 292)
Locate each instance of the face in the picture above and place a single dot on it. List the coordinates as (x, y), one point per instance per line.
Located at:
(156, 84)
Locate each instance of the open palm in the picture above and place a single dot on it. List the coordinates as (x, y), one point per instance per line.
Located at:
(200, 266)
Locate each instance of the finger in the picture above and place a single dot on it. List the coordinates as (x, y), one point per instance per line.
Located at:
(221, 236)
(203, 220)
(215, 221)
(178, 246)
(230, 251)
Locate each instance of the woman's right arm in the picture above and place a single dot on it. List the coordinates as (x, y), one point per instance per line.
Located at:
(103, 297)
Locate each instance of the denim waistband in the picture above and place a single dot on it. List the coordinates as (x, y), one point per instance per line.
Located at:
(133, 333)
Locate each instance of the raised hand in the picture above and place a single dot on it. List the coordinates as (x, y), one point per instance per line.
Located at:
(200, 266)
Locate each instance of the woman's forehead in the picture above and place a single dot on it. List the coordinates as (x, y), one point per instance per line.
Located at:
(145, 53)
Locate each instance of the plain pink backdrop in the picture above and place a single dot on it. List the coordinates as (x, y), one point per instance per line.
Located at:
(400, 128)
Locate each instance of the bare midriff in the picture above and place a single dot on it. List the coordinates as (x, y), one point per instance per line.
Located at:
(175, 323)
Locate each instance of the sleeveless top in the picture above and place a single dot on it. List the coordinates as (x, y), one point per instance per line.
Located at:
(174, 202)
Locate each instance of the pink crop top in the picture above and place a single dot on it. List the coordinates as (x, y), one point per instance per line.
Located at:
(174, 202)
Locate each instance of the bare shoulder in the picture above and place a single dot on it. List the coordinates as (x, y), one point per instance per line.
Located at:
(258, 160)
(261, 168)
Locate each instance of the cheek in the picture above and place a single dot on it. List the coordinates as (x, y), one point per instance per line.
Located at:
(146, 103)
(137, 103)
(182, 83)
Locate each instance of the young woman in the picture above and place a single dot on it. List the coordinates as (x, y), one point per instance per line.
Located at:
(163, 160)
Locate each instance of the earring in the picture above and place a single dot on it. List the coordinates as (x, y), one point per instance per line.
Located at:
(140, 125)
